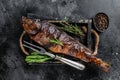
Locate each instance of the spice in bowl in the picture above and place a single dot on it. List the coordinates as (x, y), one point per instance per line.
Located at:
(101, 22)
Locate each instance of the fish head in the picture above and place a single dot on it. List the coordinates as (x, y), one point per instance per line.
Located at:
(31, 26)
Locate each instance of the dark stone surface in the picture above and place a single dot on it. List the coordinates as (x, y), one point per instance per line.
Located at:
(12, 65)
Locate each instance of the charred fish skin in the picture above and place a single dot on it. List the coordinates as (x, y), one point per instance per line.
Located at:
(42, 31)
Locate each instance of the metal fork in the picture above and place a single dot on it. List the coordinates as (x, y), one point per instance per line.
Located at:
(41, 50)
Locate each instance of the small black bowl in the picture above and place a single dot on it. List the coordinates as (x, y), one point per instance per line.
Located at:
(101, 22)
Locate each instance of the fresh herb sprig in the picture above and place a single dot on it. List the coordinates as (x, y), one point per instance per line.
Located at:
(56, 41)
(74, 29)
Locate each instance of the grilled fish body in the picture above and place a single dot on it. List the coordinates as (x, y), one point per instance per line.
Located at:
(42, 31)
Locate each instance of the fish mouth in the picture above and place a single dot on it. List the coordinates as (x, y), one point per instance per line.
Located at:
(26, 20)
(23, 20)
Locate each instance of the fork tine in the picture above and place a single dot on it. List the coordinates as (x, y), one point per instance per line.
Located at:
(42, 49)
(31, 48)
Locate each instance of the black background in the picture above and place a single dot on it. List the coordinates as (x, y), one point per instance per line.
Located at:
(12, 65)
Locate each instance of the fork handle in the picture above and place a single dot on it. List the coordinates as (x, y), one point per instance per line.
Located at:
(69, 62)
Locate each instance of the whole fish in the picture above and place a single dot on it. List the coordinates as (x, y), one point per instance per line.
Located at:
(43, 31)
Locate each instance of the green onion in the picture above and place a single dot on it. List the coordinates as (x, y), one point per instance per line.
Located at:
(37, 60)
(34, 53)
(35, 57)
